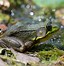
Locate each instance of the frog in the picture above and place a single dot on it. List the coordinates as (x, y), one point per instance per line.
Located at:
(20, 38)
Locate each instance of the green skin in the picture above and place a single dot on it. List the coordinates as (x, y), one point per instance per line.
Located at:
(19, 45)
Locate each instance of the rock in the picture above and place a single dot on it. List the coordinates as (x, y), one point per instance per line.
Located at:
(57, 63)
(2, 63)
(24, 58)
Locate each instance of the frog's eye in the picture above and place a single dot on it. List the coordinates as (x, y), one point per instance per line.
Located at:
(41, 32)
(49, 27)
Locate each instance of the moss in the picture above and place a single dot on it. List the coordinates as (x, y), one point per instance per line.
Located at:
(50, 55)
(42, 47)
(3, 17)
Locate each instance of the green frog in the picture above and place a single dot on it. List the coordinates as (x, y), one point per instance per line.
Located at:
(21, 38)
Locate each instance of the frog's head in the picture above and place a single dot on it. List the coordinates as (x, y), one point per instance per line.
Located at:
(42, 31)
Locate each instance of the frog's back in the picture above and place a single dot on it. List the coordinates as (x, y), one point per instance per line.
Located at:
(19, 26)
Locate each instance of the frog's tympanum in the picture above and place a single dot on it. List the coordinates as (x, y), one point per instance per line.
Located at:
(22, 38)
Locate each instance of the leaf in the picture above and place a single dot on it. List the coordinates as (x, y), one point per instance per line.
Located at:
(49, 3)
